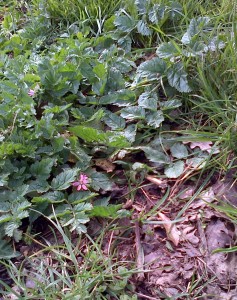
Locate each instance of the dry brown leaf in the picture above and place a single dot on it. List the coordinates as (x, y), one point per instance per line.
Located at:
(171, 230)
(105, 164)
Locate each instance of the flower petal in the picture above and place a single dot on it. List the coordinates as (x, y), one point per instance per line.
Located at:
(79, 187)
(84, 187)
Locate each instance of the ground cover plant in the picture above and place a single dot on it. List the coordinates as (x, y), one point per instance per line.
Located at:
(116, 119)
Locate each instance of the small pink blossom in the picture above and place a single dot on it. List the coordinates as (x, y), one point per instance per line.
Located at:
(31, 93)
(82, 182)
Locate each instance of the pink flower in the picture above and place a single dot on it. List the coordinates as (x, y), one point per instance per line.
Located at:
(82, 182)
(31, 93)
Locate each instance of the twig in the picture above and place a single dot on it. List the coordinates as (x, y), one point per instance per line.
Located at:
(147, 297)
(140, 254)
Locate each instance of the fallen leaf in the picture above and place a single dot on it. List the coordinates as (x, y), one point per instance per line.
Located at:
(205, 146)
(202, 145)
(187, 193)
(172, 232)
(105, 164)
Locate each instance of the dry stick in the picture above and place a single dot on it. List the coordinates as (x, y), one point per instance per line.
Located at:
(147, 297)
(140, 254)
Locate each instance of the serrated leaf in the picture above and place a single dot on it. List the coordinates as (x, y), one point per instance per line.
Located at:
(152, 69)
(130, 132)
(42, 168)
(148, 100)
(105, 211)
(51, 197)
(170, 104)
(64, 179)
(100, 181)
(168, 50)
(154, 119)
(78, 197)
(178, 150)
(141, 6)
(155, 156)
(133, 113)
(6, 251)
(114, 121)
(143, 28)
(177, 78)
(125, 23)
(196, 25)
(117, 140)
(156, 13)
(174, 170)
(39, 186)
(4, 179)
(88, 134)
(125, 43)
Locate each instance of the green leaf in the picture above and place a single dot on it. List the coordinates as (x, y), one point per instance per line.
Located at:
(148, 100)
(130, 132)
(154, 119)
(157, 13)
(143, 28)
(51, 197)
(6, 251)
(178, 150)
(125, 23)
(168, 50)
(88, 134)
(195, 27)
(155, 156)
(100, 181)
(133, 113)
(114, 121)
(170, 104)
(152, 69)
(4, 179)
(105, 211)
(64, 179)
(174, 170)
(177, 78)
(39, 186)
(100, 71)
(117, 140)
(78, 197)
(42, 169)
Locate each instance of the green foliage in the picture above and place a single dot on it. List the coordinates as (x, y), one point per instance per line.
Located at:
(74, 92)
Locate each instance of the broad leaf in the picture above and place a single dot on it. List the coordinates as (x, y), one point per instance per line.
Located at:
(152, 69)
(143, 28)
(64, 179)
(195, 27)
(125, 23)
(170, 104)
(148, 100)
(88, 134)
(174, 170)
(157, 13)
(178, 150)
(155, 156)
(114, 121)
(177, 78)
(6, 251)
(168, 50)
(100, 181)
(154, 119)
(133, 113)
(105, 211)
